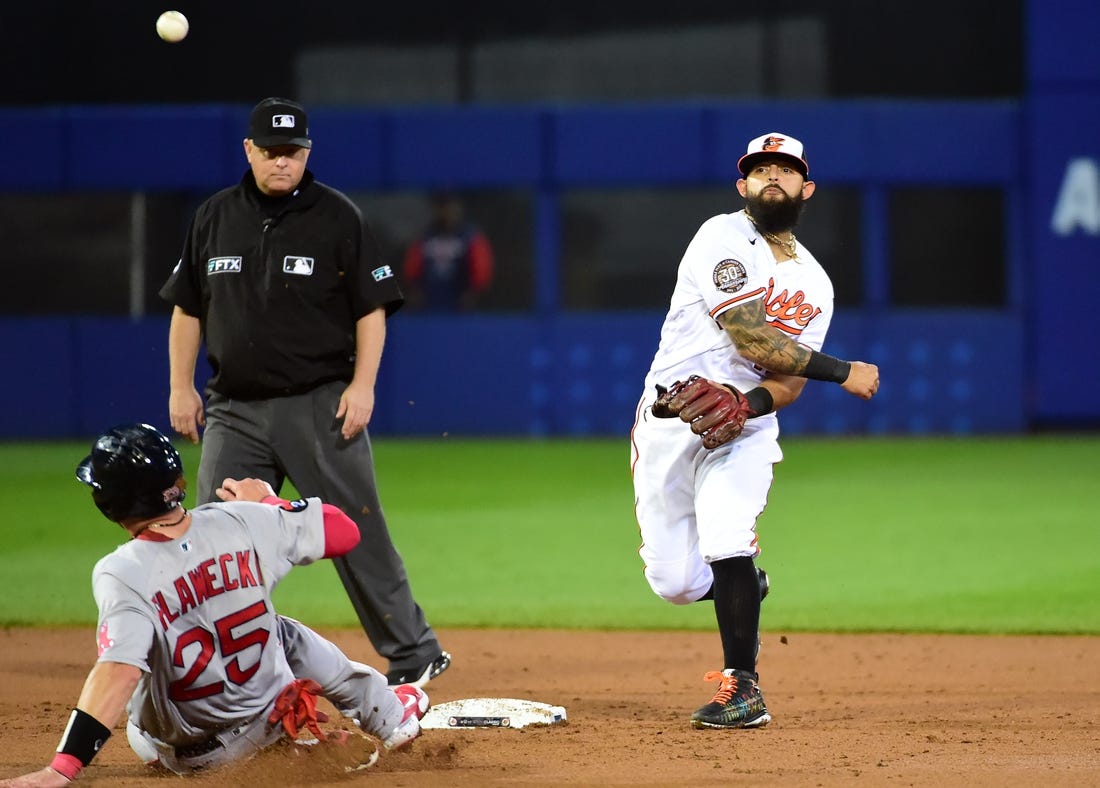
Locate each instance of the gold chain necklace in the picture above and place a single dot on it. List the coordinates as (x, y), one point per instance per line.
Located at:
(787, 246)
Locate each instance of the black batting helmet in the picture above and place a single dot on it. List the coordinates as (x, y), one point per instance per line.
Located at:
(134, 473)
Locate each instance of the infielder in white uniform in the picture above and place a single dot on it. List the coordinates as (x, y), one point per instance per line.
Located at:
(190, 645)
(744, 331)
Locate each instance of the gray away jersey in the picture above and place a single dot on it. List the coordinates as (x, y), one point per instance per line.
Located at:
(195, 614)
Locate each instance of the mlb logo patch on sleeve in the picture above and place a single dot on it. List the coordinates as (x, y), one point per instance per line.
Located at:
(385, 272)
(302, 266)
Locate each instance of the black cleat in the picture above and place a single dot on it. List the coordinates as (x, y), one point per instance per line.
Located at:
(738, 703)
(420, 675)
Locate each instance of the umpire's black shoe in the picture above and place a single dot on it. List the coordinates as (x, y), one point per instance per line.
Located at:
(420, 675)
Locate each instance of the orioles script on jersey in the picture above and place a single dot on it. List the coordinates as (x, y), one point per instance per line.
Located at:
(214, 576)
(788, 312)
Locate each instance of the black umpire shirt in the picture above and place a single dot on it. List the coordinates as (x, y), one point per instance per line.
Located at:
(278, 284)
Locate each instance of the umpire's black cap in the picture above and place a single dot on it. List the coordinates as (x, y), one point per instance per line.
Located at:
(279, 121)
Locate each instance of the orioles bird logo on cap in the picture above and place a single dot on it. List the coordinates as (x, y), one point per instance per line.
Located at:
(773, 143)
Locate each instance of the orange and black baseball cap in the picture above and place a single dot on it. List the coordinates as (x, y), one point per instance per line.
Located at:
(774, 146)
(279, 121)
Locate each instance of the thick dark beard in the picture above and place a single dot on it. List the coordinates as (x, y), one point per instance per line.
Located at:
(774, 216)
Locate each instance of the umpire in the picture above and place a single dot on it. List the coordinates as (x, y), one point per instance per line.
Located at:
(282, 279)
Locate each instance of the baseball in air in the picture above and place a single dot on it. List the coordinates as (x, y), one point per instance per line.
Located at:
(172, 26)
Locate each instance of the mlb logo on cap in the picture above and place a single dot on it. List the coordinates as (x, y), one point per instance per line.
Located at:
(775, 146)
(279, 121)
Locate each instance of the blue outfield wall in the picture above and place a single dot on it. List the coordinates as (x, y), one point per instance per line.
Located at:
(550, 373)
(170, 147)
(576, 374)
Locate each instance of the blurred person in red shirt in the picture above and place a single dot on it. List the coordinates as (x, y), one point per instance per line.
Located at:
(450, 265)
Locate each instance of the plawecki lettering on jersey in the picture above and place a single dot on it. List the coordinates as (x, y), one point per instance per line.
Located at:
(212, 577)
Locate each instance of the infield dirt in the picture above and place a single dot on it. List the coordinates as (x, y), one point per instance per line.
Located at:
(864, 710)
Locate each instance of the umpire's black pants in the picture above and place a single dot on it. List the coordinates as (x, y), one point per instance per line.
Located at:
(298, 437)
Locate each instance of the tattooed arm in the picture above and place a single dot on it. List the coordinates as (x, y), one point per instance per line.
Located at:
(770, 348)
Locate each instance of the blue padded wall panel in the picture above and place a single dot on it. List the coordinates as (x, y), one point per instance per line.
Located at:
(154, 148)
(945, 142)
(943, 372)
(467, 376)
(1063, 168)
(121, 373)
(466, 147)
(597, 369)
(1059, 54)
(626, 146)
(37, 140)
(40, 400)
(199, 147)
(834, 134)
(348, 148)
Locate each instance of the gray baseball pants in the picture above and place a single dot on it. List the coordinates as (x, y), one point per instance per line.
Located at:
(356, 690)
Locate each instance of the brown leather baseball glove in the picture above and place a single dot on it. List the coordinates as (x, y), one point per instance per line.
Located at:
(715, 411)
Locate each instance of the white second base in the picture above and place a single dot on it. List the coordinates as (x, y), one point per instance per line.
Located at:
(492, 713)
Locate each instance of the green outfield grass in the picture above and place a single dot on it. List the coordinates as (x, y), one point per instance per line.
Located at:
(921, 535)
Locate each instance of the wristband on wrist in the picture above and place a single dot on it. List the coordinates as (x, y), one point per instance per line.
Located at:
(68, 766)
(82, 739)
(822, 366)
(761, 401)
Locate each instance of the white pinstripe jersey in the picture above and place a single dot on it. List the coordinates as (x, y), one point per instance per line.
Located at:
(728, 263)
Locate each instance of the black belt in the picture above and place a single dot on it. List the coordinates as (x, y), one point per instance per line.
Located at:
(198, 748)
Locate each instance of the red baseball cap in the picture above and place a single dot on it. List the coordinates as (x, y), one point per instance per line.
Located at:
(771, 146)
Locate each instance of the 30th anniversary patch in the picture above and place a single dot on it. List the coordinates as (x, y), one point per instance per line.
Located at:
(730, 276)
